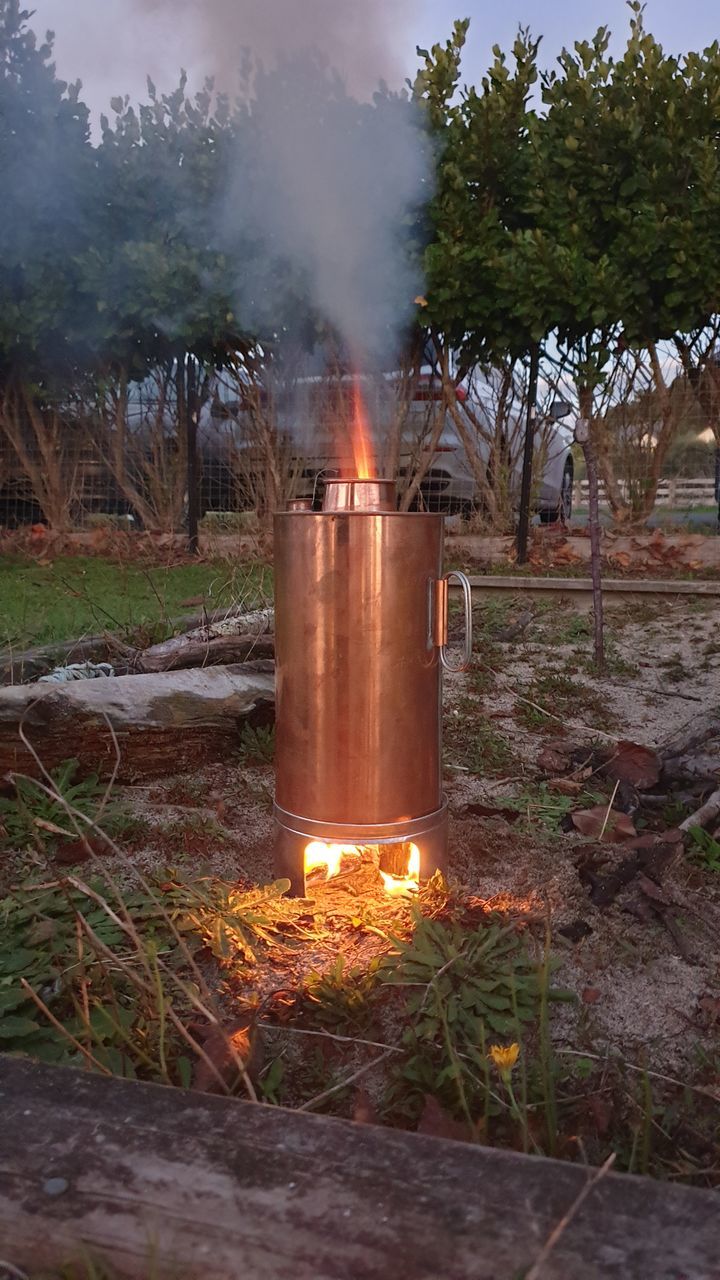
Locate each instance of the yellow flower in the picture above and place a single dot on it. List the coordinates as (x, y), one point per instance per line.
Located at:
(504, 1057)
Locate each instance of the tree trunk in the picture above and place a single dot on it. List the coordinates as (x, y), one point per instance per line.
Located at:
(527, 464)
(588, 448)
(47, 448)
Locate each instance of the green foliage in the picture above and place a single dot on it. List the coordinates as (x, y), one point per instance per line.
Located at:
(257, 745)
(342, 999)
(39, 942)
(473, 741)
(237, 923)
(77, 595)
(33, 816)
(46, 163)
(115, 971)
(705, 849)
(464, 990)
(546, 809)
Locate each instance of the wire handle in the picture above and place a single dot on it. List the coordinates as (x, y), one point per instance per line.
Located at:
(467, 650)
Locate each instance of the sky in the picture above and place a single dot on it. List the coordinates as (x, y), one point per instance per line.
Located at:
(111, 45)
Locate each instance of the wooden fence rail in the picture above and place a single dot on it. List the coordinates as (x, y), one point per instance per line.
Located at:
(671, 493)
(164, 1183)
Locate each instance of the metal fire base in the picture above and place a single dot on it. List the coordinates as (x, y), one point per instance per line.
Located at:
(429, 833)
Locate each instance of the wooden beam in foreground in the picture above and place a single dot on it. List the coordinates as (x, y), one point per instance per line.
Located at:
(162, 1183)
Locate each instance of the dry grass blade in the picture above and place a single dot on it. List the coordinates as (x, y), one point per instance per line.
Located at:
(561, 1227)
(207, 1006)
(344, 1084)
(87, 1055)
(608, 810)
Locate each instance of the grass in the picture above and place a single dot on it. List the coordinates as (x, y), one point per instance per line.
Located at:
(563, 697)
(64, 599)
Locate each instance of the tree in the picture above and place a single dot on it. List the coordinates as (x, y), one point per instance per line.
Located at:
(46, 162)
(627, 207)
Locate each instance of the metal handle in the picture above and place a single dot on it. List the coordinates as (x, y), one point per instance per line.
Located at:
(467, 597)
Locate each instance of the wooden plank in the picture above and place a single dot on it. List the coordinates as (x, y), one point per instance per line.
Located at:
(220, 1189)
(162, 723)
(579, 590)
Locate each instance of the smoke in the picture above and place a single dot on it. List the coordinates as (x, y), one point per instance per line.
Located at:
(332, 170)
(361, 38)
(329, 176)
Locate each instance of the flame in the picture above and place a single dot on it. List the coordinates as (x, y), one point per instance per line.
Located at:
(330, 857)
(409, 883)
(361, 438)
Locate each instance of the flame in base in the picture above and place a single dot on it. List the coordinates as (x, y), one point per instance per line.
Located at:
(409, 883)
(330, 857)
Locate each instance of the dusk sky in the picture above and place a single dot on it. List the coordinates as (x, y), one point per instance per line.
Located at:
(112, 44)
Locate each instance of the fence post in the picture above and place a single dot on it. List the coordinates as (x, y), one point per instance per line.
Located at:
(525, 486)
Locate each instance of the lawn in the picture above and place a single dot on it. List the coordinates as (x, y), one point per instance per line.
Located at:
(64, 599)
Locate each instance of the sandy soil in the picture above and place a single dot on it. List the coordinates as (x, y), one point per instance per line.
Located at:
(644, 987)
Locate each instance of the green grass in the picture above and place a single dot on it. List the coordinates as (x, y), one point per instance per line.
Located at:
(80, 595)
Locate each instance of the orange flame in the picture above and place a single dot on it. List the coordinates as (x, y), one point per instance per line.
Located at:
(409, 883)
(330, 858)
(361, 437)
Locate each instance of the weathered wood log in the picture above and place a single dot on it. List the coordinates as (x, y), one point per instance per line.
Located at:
(693, 756)
(27, 664)
(226, 641)
(162, 723)
(706, 814)
(165, 1182)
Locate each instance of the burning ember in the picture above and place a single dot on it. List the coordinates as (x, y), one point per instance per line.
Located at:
(404, 879)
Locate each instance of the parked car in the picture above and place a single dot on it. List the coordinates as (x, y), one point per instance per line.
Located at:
(449, 483)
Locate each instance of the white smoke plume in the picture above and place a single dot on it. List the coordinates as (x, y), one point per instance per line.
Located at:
(332, 181)
(329, 181)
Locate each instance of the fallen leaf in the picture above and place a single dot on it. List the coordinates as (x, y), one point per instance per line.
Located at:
(601, 1109)
(437, 1123)
(709, 1007)
(553, 760)
(565, 786)
(631, 762)
(223, 1047)
(364, 1110)
(71, 852)
(651, 890)
(575, 931)
(591, 995)
(492, 811)
(590, 822)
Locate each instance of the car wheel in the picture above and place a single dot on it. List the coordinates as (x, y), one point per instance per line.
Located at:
(563, 511)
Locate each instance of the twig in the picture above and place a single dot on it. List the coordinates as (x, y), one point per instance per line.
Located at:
(570, 724)
(63, 1030)
(608, 810)
(13, 1271)
(707, 811)
(328, 1035)
(671, 693)
(343, 1084)
(560, 1227)
(631, 1066)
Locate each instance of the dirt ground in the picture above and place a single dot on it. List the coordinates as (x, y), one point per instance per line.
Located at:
(633, 922)
(648, 983)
